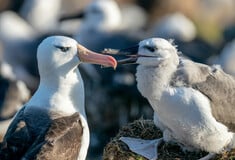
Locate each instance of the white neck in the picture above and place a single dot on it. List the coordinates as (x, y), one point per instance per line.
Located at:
(151, 81)
(63, 95)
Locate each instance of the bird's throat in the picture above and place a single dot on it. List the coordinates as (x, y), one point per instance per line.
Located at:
(152, 81)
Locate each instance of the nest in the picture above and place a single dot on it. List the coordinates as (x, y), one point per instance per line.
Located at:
(145, 129)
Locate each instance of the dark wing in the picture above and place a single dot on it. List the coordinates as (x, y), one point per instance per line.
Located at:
(218, 86)
(16, 140)
(62, 140)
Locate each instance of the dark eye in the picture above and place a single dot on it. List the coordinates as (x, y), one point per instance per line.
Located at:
(62, 48)
(151, 49)
(95, 10)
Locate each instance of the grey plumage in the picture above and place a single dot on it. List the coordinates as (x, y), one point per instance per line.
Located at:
(214, 83)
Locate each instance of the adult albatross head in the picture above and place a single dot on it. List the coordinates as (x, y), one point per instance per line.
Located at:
(58, 58)
(58, 55)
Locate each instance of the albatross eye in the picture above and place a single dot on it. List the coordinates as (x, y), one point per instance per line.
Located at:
(150, 48)
(62, 48)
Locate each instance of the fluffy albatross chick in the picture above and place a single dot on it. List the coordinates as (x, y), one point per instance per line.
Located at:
(52, 125)
(193, 103)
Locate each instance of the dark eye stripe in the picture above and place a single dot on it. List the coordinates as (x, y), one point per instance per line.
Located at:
(62, 48)
(151, 49)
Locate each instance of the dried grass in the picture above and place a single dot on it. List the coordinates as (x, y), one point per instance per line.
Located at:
(145, 129)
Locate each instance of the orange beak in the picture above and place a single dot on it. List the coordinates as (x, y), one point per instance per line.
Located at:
(88, 56)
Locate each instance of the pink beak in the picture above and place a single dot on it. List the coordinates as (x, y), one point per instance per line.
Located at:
(88, 56)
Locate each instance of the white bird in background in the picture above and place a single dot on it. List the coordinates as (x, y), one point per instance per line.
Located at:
(8, 30)
(184, 32)
(101, 17)
(16, 44)
(175, 26)
(52, 125)
(130, 14)
(193, 103)
(227, 58)
(42, 15)
(104, 26)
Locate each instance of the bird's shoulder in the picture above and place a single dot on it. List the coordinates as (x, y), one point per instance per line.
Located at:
(207, 79)
(189, 73)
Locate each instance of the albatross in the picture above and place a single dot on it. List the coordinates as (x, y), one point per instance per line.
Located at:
(52, 124)
(193, 103)
(109, 28)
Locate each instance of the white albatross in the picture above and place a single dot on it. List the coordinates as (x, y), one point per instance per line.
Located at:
(52, 125)
(193, 103)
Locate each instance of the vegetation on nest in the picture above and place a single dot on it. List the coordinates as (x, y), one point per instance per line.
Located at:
(145, 129)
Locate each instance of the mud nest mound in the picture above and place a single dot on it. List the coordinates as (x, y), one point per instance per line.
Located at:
(145, 129)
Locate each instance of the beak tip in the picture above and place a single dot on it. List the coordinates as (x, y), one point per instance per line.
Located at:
(114, 62)
(115, 67)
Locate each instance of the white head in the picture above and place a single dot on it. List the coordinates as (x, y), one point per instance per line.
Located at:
(153, 52)
(102, 15)
(157, 59)
(60, 82)
(58, 55)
